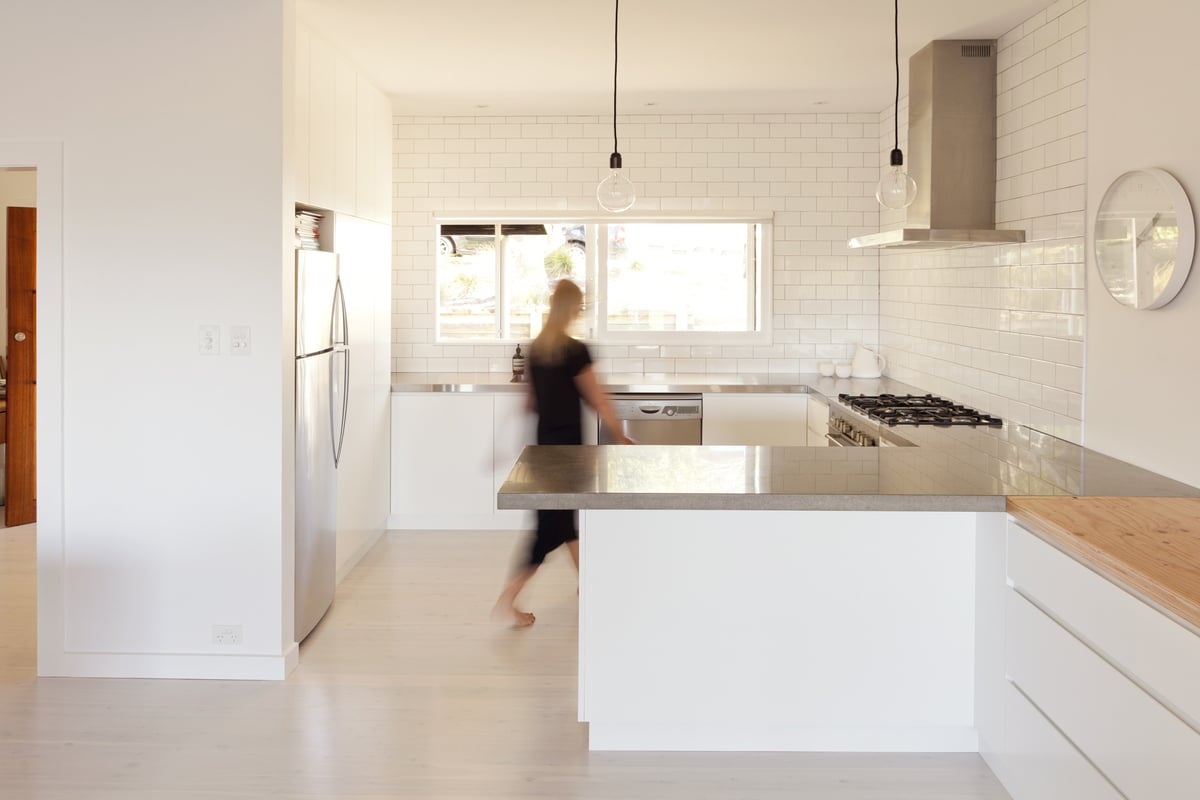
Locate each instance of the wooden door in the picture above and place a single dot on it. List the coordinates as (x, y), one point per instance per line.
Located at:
(20, 462)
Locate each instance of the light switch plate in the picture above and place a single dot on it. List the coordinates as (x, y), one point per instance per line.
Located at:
(239, 340)
(210, 340)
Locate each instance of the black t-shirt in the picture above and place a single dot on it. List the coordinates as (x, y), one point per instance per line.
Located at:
(557, 396)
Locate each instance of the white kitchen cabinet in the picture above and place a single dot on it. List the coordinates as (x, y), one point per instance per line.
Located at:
(777, 418)
(1110, 675)
(300, 141)
(322, 129)
(818, 422)
(364, 260)
(343, 136)
(451, 453)
(514, 427)
(1042, 764)
(373, 153)
(442, 470)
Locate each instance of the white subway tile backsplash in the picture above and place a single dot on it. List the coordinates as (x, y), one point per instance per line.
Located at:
(1003, 325)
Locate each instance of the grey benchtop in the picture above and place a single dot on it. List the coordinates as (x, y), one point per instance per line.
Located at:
(947, 469)
(494, 382)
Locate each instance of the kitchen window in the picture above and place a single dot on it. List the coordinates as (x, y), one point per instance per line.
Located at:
(645, 280)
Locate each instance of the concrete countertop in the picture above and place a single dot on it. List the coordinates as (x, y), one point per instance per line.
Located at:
(948, 469)
(619, 383)
(954, 477)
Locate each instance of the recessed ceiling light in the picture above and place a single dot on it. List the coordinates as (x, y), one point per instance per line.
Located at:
(482, 105)
(652, 103)
(820, 102)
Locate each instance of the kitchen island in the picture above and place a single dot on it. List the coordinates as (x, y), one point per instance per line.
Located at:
(797, 598)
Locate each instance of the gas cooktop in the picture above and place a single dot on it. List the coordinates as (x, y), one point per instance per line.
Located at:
(911, 409)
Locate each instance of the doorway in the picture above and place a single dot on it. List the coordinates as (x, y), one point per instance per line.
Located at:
(43, 547)
(18, 551)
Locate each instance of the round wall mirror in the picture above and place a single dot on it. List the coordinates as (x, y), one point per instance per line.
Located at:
(1144, 238)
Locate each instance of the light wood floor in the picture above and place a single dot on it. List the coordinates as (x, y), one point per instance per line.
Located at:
(405, 690)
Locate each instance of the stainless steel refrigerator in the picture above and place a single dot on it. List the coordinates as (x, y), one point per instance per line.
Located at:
(322, 383)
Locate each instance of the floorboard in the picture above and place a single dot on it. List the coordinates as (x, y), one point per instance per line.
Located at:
(405, 690)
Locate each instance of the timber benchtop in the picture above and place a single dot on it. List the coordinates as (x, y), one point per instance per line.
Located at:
(1148, 545)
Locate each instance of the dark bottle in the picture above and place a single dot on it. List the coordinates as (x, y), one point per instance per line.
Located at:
(518, 366)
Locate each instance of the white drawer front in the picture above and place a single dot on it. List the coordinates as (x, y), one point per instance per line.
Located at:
(1159, 651)
(1146, 751)
(1041, 764)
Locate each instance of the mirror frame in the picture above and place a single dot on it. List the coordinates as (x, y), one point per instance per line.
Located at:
(1177, 203)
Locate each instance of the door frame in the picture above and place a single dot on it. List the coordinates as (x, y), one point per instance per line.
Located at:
(47, 158)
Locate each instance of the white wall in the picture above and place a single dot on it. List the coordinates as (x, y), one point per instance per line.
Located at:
(1001, 328)
(816, 172)
(1141, 365)
(17, 188)
(168, 509)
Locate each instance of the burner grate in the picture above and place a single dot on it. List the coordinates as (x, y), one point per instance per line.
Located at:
(911, 409)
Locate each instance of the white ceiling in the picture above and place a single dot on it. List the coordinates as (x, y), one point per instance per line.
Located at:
(482, 57)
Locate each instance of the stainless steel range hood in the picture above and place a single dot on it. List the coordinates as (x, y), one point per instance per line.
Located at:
(951, 150)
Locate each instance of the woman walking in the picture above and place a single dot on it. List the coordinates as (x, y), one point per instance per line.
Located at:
(560, 377)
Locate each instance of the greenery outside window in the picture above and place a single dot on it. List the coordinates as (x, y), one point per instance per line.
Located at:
(646, 280)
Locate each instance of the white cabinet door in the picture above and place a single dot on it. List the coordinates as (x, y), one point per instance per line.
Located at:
(515, 427)
(442, 457)
(322, 114)
(1042, 765)
(818, 423)
(345, 137)
(300, 152)
(756, 419)
(364, 260)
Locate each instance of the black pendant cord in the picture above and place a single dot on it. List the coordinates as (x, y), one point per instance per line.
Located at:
(616, 20)
(896, 108)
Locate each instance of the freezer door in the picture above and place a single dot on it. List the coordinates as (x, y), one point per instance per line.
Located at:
(316, 297)
(316, 493)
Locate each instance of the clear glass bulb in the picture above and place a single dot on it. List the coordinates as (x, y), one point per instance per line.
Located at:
(615, 193)
(896, 189)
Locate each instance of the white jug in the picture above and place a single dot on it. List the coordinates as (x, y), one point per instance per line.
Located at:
(867, 364)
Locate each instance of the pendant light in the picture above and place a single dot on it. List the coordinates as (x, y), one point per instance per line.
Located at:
(615, 193)
(896, 188)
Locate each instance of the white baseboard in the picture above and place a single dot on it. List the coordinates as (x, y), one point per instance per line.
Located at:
(780, 738)
(172, 666)
(348, 566)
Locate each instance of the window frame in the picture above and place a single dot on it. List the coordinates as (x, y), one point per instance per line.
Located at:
(759, 296)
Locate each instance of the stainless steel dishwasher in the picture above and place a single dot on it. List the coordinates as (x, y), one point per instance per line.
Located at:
(656, 418)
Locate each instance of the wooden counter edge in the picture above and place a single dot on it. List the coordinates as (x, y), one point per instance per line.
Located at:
(1063, 523)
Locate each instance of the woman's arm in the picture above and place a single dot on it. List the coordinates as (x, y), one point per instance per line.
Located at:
(590, 389)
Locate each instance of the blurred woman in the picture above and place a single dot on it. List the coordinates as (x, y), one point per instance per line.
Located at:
(560, 377)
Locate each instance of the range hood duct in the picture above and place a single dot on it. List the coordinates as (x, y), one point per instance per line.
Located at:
(951, 150)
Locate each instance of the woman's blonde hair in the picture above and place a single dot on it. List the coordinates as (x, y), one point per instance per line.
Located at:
(551, 343)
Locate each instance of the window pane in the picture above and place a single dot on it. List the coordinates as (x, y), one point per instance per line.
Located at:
(466, 270)
(532, 265)
(680, 277)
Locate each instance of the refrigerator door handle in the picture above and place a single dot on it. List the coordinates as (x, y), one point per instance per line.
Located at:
(339, 322)
(345, 403)
(339, 392)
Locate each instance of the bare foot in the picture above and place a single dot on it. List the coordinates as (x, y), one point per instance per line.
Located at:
(516, 619)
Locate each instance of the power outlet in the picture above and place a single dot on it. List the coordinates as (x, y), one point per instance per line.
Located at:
(227, 634)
